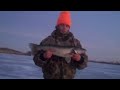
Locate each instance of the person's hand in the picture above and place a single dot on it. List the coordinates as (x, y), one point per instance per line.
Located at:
(76, 57)
(48, 54)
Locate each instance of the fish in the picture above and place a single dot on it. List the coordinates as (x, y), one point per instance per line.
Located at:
(61, 51)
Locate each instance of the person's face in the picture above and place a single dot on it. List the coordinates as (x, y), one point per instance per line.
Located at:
(64, 28)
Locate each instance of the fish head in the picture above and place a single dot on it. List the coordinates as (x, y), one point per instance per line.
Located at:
(78, 50)
(74, 51)
(71, 53)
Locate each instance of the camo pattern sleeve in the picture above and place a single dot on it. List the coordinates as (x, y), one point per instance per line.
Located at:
(84, 58)
(48, 41)
(38, 58)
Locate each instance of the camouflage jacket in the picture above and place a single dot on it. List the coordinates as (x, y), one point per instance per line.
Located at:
(57, 67)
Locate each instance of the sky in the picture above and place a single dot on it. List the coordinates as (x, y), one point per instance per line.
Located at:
(98, 31)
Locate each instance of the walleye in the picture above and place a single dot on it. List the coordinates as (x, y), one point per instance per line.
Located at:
(57, 50)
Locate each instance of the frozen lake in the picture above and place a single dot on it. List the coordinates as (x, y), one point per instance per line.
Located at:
(23, 67)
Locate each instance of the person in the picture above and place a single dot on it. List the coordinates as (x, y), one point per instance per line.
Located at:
(55, 67)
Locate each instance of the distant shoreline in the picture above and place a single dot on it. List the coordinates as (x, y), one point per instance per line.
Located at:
(12, 51)
(114, 63)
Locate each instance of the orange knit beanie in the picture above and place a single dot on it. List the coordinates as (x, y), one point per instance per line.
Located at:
(64, 18)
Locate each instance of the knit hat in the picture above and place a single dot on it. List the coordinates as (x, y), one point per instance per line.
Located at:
(64, 18)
